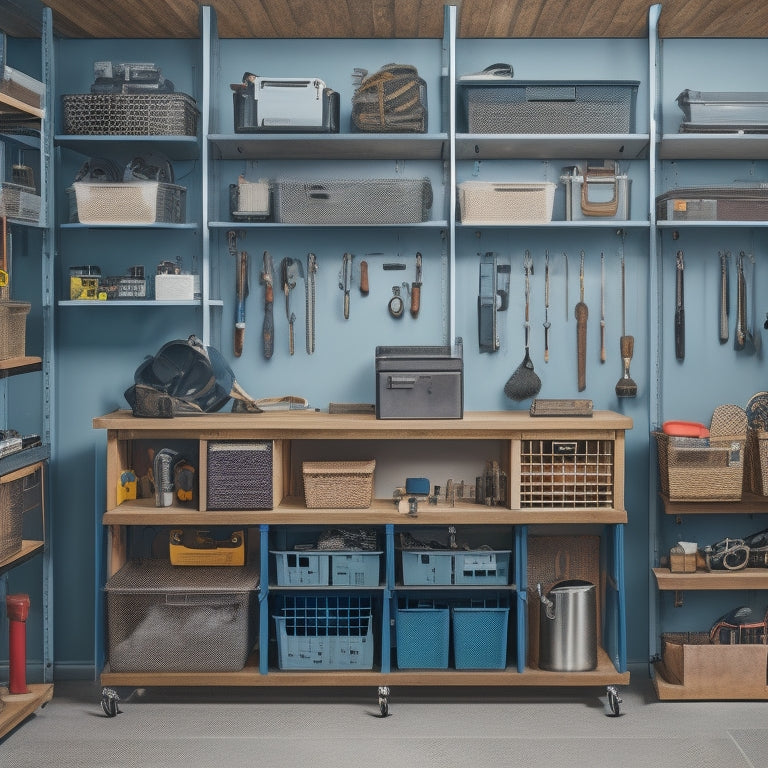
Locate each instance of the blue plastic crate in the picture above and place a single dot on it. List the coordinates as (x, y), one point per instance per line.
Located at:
(482, 566)
(355, 569)
(325, 632)
(480, 635)
(422, 635)
(425, 567)
(297, 568)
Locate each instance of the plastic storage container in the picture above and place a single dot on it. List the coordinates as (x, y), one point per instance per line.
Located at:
(490, 202)
(353, 201)
(325, 632)
(480, 632)
(422, 630)
(144, 202)
(526, 106)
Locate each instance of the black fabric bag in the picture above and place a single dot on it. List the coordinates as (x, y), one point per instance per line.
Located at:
(183, 378)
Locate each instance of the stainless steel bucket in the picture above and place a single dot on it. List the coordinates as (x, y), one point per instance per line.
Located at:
(567, 627)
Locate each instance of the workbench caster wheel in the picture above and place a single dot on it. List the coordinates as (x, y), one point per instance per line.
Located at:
(110, 702)
(614, 701)
(384, 700)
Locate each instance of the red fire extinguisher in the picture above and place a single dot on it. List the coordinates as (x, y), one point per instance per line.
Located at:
(17, 607)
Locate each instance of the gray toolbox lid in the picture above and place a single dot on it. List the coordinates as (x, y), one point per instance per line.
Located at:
(420, 358)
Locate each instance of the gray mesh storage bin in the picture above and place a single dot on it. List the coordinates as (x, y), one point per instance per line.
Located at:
(164, 618)
(550, 107)
(354, 201)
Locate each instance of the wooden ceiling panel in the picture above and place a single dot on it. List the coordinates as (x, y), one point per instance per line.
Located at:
(387, 18)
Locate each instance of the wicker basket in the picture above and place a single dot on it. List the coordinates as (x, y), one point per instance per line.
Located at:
(13, 328)
(552, 559)
(140, 202)
(690, 469)
(338, 484)
(19, 491)
(130, 114)
(756, 464)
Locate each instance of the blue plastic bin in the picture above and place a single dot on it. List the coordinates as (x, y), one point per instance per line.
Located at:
(422, 635)
(480, 635)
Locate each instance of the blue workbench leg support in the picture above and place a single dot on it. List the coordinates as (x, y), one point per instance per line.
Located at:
(521, 579)
(264, 599)
(386, 603)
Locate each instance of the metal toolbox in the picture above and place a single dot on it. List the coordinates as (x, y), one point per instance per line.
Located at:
(717, 110)
(285, 105)
(747, 202)
(498, 105)
(420, 382)
(353, 201)
(596, 192)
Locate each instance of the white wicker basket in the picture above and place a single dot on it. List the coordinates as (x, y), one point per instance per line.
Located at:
(489, 202)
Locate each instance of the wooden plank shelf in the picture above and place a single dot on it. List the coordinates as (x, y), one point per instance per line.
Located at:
(18, 708)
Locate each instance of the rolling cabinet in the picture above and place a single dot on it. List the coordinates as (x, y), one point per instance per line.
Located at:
(23, 475)
(692, 601)
(538, 498)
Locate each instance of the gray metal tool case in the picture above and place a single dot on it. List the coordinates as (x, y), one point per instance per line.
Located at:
(420, 382)
(707, 111)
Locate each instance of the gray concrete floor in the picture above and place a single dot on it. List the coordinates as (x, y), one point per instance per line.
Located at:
(340, 728)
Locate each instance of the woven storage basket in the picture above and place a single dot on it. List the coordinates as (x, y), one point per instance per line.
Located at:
(486, 202)
(13, 328)
(11, 512)
(130, 114)
(20, 492)
(552, 559)
(141, 202)
(19, 202)
(338, 484)
(756, 465)
(691, 470)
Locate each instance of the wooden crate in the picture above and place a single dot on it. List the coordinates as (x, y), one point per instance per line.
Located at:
(692, 668)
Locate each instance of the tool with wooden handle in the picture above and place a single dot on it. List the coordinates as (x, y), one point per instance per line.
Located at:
(680, 307)
(268, 329)
(416, 289)
(345, 280)
(582, 313)
(524, 382)
(364, 285)
(725, 304)
(625, 387)
(241, 290)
